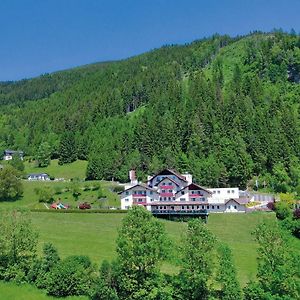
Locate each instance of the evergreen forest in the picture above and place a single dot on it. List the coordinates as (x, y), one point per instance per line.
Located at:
(225, 109)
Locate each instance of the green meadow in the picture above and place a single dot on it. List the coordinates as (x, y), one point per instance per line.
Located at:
(95, 235)
(12, 291)
(77, 169)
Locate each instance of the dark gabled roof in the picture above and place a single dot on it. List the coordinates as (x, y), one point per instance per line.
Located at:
(141, 185)
(167, 178)
(195, 187)
(240, 201)
(169, 172)
(38, 174)
(7, 151)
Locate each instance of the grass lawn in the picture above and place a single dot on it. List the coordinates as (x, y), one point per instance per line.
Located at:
(12, 291)
(95, 234)
(77, 169)
(59, 190)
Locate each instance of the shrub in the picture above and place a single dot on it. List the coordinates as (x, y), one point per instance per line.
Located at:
(72, 276)
(296, 213)
(45, 194)
(271, 206)
(283, 210)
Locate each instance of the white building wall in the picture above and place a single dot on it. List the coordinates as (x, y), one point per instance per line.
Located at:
(219, 195)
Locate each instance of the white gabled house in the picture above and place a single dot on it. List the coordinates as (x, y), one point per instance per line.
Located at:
(170, 191)
(38, 176)
(8, 154)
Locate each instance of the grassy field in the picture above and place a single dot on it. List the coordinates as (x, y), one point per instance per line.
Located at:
(62, 190)
(95, 234)
(76, 169)
(11, 291)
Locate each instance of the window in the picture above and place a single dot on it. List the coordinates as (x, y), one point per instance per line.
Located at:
(193, 199)
(126, 193)
(187, 207)
(207, 206)
(235, 207)
(165, 207)
(170, 191)
(218, 192)
(214, 192)
(163, 191)
(199, 192)
(218, 207)
(165, 198)
(182, 192)
(151, 200)
(134, 192)
(140, 200)
(126, 200)
(192, 206)
(126, 207)
(182, 199)
(202, 206)
(169, 198)
(213, 207)
(182, 207)
(232, 191)
(151, 193)
(228, 191)
(170, 183)
(192, 192)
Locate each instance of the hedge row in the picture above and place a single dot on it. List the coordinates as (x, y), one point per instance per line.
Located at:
(81, 211)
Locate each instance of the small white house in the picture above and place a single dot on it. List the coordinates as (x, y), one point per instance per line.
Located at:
(8, 154)
(38, 176)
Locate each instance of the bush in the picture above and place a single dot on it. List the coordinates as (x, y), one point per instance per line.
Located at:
(72, 276)
(296, 213)
(271, 206)
(45, 194)
(292, 225)
(117, 188)
(283, 210)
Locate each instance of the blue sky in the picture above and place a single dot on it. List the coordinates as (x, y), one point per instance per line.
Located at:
(40, 36)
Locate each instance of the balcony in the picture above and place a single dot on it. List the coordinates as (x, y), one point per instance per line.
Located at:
(139, 195)
(195, 195)
(166, 187)
(166, 194)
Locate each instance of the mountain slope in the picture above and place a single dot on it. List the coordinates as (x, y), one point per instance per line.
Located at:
(225, 109)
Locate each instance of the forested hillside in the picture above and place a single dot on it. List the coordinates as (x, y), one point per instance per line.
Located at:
(225, 109)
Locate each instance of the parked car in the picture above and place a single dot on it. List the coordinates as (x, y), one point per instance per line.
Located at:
(84, 205)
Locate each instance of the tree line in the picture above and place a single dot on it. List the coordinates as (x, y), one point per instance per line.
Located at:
(206, 267)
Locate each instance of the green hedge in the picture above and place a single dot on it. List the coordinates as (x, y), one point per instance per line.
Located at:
(81, 211)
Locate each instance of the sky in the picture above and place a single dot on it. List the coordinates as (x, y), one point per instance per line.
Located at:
(42, 36)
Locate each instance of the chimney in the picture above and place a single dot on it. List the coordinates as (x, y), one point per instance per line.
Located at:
(188, 178)
(132, 177)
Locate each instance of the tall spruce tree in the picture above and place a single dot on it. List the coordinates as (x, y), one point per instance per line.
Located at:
(67, 148)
